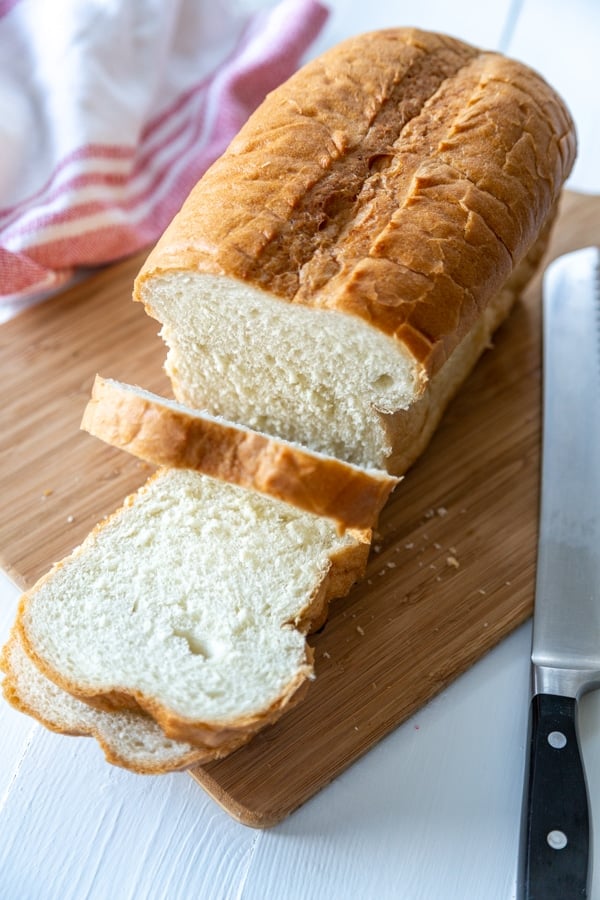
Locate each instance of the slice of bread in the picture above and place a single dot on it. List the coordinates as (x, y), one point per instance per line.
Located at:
(167, 433)
(129, 739)
(192, 603)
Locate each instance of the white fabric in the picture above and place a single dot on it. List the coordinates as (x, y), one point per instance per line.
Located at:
(111, 110)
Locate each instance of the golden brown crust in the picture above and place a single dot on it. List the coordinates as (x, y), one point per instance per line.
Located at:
(168, 436)
(400, 178)
(223, 740)
(410, 431)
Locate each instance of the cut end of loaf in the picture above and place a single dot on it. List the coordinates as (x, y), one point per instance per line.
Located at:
(318, 378)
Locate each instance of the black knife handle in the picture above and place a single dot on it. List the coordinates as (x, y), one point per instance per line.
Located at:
(555, 831)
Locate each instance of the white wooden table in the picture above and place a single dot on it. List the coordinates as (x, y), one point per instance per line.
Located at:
(432, 813)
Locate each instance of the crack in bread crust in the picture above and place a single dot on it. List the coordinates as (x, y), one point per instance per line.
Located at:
(353, 168)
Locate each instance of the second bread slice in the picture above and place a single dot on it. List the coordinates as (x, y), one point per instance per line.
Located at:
(167, 433)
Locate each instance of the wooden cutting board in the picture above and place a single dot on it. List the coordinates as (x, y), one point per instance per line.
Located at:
(452, 566)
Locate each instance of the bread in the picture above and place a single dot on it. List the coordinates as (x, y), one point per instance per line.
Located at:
(191, 604)
(330, 283)
(128, 738)
(166, 433)
(333, 278)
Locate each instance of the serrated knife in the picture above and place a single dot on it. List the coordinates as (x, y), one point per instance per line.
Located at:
(554, 859)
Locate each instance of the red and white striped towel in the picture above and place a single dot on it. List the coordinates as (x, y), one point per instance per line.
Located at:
(110, 112)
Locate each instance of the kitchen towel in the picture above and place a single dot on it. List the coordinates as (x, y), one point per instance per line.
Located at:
(110, 110)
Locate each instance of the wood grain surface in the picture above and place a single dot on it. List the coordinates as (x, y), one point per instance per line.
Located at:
(452, 566)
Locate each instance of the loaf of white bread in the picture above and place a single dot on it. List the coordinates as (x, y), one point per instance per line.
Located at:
(334, 276)
(325, 289)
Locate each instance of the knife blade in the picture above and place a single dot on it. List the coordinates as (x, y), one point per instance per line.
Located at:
(554, 861)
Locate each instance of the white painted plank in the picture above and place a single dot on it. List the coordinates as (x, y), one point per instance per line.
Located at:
(562, 41)
(74, 828)
(432, 812)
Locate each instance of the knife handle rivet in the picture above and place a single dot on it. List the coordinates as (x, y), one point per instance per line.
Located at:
(557, 739)
(557, 840)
